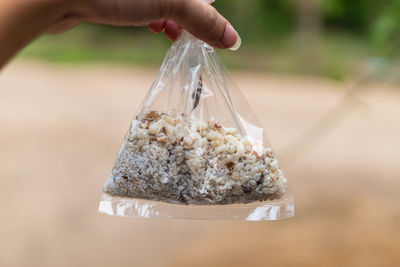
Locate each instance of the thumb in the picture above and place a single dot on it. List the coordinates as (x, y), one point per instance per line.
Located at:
(204, 22)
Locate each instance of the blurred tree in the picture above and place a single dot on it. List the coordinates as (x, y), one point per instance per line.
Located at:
(385, 31)
(317, 36)
(353, 16)
(258, 20)
(309, 25)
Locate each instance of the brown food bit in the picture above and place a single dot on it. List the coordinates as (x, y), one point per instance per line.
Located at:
(217, 126)
(153, 116)
(145, 124)
(230, 165)
(257, 155)
(247, 189)
(261, 180)
(196, 94)
(270, 154)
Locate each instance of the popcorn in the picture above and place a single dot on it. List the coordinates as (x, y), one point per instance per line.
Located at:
(212, 135)
(154, 128)
(231, 149)
(168, 157)
(231, 131)
(274, 165)
(187, 141)
(220, 149)
(169, 120)
(240, 149)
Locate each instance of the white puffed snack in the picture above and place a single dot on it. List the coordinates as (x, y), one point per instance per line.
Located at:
(167, 157)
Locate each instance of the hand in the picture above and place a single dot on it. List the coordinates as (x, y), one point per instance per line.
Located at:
(197, 17)
(21, 21)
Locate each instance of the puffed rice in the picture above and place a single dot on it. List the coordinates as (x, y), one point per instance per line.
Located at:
(168, 157)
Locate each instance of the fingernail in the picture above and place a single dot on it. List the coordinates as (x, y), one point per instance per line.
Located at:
(231, 38)
(237, 45)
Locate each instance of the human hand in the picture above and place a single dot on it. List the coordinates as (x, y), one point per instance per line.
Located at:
(199, 18)
(21, 21)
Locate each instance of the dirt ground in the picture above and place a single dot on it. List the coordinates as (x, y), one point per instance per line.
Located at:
(61, 127)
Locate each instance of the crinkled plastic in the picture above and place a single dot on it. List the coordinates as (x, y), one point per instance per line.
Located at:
(140, 208)
(195, 149)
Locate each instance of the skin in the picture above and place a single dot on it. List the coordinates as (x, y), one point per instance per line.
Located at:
(21, 21)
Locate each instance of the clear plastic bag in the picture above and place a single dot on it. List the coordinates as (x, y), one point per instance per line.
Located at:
(195, 149)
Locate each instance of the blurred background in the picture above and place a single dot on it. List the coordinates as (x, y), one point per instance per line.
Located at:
(330, 38)
(322, 75)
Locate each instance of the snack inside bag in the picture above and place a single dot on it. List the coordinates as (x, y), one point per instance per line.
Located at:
(195, 149)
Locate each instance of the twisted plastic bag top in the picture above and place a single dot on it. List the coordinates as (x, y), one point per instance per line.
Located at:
(195, 141)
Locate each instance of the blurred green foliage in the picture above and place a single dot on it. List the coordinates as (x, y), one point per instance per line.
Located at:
(347, 32)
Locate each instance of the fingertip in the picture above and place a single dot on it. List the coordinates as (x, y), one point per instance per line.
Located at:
(237, 44)
(172, 30)
(157, 26)
(231, 38)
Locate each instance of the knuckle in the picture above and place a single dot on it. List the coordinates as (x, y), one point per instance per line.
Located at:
(213, 25)
(174, 8)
